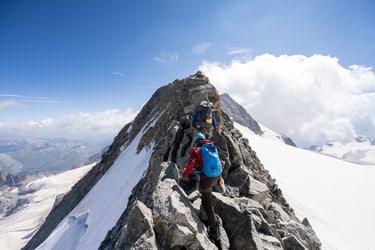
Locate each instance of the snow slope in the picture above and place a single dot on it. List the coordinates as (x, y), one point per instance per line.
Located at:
(336, 196)
(88, 223)
(17, 229)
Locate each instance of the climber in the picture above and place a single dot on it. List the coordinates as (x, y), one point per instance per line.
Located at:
(206, 178)
(184, 125)
(203, 120)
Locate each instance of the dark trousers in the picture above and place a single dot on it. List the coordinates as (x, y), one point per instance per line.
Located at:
(176, 143)
(206, 185)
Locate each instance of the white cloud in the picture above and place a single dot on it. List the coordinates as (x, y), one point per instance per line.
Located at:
(166, 57)
(118, 74)
(311, 99)
(201, 49)
(7, 104)
(83, 126)
(22, 98)
(239, 51)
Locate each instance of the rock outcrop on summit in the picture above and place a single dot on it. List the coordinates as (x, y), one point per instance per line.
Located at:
(161, 215)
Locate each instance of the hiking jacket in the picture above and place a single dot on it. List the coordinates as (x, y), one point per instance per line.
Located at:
(195, 120)
(195, 159)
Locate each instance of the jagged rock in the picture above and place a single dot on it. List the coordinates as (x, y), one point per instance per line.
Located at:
(245, 229)
(306, 222)
(175, 221)
(253, 211)
(138, 232)
(279, 212)
(200, 90)
(11, 180)
(258, 190)
(305, 234)
(234, 152)
(291, 243)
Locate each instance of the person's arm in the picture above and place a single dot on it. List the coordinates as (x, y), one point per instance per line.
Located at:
(191, 163)
(194, 120)
(214, 121)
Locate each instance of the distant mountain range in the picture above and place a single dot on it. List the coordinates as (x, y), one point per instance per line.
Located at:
(36, 155)
(360, 150)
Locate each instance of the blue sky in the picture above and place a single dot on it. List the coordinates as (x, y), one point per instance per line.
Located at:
(82, 62)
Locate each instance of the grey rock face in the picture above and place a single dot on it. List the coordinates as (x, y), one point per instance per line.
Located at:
(162, 215)
(239, 114)
(287, 140)
(11, 180)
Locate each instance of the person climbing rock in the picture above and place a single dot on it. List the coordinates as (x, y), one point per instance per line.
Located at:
(205, 161)
(203, 120)
(184, 125)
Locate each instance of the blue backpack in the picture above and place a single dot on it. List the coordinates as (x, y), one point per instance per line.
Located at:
(211, 161)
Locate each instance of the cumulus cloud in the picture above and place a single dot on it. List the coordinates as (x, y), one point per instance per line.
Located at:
(92, 127)
(311, 99)
(166, 57)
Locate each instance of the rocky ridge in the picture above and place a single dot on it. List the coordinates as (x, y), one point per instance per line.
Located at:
(239, 114)
(161, 215)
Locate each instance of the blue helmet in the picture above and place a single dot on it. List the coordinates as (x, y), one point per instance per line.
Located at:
(199, 136)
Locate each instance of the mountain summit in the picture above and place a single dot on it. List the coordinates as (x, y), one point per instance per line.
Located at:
(132, 200)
